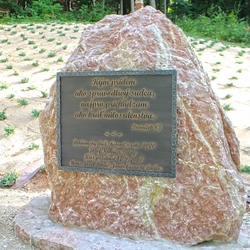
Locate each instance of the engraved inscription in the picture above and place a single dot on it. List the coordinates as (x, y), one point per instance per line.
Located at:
(116, 123)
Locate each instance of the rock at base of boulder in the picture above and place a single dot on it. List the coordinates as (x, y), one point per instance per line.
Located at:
(34, 226)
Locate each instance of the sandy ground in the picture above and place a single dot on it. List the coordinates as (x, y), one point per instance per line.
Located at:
(30, 57)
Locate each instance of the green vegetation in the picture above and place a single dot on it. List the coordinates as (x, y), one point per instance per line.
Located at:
(3, 86)
(9, 66)
(44, 94)
(4, 60)
(3, 115)
(52, 54)
(9, 178)
(32, 87)
(11, 96)
(35, 63)
(42, 50)
(230, 84)
(35, 113)
(234, 78)
(25, 80)
(228, 96)
(227, 107)
(245, 168)
(33, 146)
(22, 102)
(51, 39)
(60, 59)
(9, 130)
(22, 54)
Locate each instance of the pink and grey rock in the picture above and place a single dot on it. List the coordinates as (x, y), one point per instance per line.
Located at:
(206, 200)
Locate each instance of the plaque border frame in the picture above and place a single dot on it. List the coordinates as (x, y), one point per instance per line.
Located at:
(172, 72)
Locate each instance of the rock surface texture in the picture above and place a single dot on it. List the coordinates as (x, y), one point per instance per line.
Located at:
(206, 200)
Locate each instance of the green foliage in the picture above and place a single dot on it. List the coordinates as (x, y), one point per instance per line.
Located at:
(52, 54)
(9, 178)
(33, 146)
(11, 96)
(36, 63)
(42, 50)
(9, 130)
(44, 94)
(4, 60)
(92, 13)
(3, 86)
(228, 96)
(227, 107)
(22, 102)
(219, 25)
(32, 87)
(3, 115)
(9, 66)
(245, 168)
(25, 80)
(35, 113)
(46, 9)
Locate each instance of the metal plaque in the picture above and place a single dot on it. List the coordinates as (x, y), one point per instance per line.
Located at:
(117, 122)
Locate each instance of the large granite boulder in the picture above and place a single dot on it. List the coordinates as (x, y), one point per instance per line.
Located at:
(206, 200)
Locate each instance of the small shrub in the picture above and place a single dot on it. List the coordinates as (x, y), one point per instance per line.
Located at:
(27, 59)
(42, 50)
(31, 42)
(35, 113)
(52, 54)
(45, 69)
(241, 53)
(22, 102)
(245, 168)
(35, 64)
(22, 54)
(33, 146)
(58, 43)
(65, 47)
(228, 96)
(18, 48)
(4, 41)
(234, 78)
(44, 94)
(11, 96)
(216, 70)
(9, 66)
(60, 59)
(32, 87)
(239, 70)
(3, 115)
(25, 80)
(9, 130)
(213, 78)
(9, 179)
(3, 86)
(4, 60)
(227, 107)
(230, 84)
(15, 73)
(51, 39)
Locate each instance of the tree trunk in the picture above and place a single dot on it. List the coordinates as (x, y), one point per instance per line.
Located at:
(152, 3)
(132, 5)
(121, 7)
